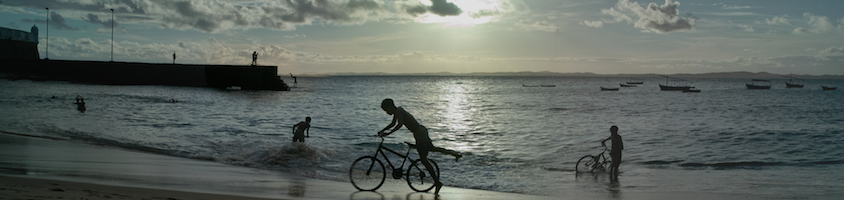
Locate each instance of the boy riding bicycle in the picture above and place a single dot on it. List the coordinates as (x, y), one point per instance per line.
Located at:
(420, 133)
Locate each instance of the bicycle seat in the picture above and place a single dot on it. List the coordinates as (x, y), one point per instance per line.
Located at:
(410, 144)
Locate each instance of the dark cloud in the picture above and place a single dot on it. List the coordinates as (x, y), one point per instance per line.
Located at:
(94, 19)
(443, 8)
(416, 10)
(56, 20)
(656, 18)
(438, 7)
(213, 16)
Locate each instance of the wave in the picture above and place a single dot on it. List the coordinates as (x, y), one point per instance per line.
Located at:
(105, 142)
(737, 165)
(730, 165)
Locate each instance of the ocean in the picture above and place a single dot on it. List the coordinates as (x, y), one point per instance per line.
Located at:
(782, 142)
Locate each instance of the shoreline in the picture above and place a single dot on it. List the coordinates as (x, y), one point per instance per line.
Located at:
(34, 168)
(14, 187)
(40, 168)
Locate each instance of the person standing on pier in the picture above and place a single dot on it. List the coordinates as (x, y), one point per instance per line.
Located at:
(174, 57)
(254, 58)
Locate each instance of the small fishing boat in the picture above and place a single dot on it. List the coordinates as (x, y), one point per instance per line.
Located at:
(627, 85)
(828, 88)
(632, 82)
(675, 84)
(793, 82)
(758, 84)
(608, 89)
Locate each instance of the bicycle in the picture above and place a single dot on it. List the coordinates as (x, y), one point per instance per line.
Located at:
(590, 163)
(368, 173)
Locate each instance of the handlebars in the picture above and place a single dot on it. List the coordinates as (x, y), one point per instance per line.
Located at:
(408, 143)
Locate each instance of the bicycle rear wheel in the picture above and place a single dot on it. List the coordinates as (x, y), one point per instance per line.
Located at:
(586, 164)
(367, 173)
(418, 177)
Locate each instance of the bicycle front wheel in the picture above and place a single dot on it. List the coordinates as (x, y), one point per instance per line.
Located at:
(418, 177)
(367, 173)
(586, 164)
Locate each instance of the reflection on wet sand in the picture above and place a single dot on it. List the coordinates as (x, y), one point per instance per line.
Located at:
(604, 180)
(366, 195)
(297, 188)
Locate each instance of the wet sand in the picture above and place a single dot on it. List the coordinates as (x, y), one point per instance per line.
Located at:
(38, 168)
(35, 168)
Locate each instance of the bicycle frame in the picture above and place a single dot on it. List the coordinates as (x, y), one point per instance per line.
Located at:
(592, 163)
(404, 157)
(602, 158)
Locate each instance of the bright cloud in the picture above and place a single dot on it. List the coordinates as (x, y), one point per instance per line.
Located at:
(747, 28)
(536, 26)
(653, 18)
(777, 20)
(472, 12)
(594, 24)
(818, 24)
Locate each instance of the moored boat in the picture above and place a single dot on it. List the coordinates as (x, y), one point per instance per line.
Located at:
(608, 89)
(675, 84)
(758, 84)
(627, 85)
(793, 82)
(828, 88)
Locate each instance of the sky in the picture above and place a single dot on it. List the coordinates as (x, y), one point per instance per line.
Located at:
(458, 36)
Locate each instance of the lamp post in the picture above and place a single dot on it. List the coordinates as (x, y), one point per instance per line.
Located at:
(112, 35)
(47, 57)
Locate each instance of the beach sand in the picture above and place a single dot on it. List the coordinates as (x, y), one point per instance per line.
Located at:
(36, 168)
(33, 188)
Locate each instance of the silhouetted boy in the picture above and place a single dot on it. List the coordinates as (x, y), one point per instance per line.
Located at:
(615, 151)
(420, 133)
(254, 58)
(304, 128)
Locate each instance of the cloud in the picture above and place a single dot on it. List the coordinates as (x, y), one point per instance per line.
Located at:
(747, 28)
(731, 7)
(818, 24)
(777, 20)
(800, 30)
(438, 7)
(443, 8)
(653, 18)
(594, 24)
(216, 16)
(529, 25)
(412, 57)
(833, 50)
(94, 19)
(55, 19)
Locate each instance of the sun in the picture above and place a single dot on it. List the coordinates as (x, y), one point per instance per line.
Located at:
(469, 8)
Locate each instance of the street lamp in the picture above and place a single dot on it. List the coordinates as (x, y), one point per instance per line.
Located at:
(112, 35)
(47, 57)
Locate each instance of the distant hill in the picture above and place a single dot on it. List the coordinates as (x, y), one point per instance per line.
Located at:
(739, 75)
